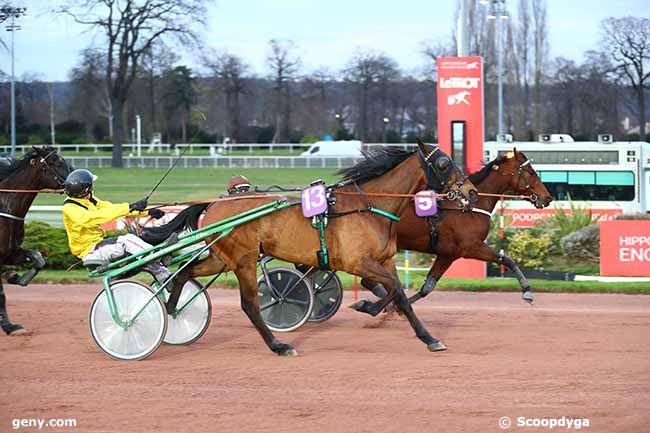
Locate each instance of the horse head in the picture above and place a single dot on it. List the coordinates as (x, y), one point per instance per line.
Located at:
(443, 175)
(523, 178)
(50, 167)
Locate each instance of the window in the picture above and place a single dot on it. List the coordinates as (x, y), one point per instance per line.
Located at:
(458, 143)
(571, 157)
(590, 185)
(314, 149)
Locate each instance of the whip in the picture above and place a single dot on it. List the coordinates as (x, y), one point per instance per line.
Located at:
(167, 173)
(203, 118)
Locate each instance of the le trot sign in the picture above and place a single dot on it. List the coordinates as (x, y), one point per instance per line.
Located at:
(625, 248)
(460, 110)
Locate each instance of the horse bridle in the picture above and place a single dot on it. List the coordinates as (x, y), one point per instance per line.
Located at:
(520, 178)
(48, 167)
(455, 191)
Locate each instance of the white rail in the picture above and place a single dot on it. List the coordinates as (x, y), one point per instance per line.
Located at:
(332, 162)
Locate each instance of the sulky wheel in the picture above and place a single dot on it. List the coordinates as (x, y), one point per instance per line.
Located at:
(193, 320)
(286, 299)
(140, 339)
(328, 295)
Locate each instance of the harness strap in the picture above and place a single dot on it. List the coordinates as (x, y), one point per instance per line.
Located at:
(11, 217)
(70, 201)
(474, 209)
(483, 211)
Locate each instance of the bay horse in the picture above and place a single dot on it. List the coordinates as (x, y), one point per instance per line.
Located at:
(463, 234)
(40, 168)
(360, 243)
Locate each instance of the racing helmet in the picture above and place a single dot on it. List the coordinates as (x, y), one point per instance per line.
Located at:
(79, 183)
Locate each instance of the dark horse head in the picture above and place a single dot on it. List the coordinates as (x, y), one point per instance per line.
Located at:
(39, 168)
(443, 175)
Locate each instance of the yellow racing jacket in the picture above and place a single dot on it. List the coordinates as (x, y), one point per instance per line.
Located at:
(82, 219)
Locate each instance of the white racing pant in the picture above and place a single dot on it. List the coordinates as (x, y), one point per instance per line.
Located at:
(115, 248)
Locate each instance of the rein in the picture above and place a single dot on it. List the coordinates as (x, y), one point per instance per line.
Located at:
(11, 217)
(43, 191)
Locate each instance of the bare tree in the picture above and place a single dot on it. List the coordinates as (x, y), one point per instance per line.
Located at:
(431, 50)
(316, 96)
(522, 48)
(284, 65)
(130, 28)
(365, 72)
(627, 41)
(88, 97)
(540, 53)
(155, 61)
(229, 71)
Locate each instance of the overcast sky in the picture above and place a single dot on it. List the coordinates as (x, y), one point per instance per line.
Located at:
(327, 32)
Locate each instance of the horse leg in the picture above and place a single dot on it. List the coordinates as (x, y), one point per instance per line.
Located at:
(386, 274)
(487, 254)
(526, 290)
(376, 288)
(439, 267)
(250, 303)
(21, 256)
(7, 326)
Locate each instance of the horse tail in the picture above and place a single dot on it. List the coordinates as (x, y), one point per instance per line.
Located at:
(188, 218)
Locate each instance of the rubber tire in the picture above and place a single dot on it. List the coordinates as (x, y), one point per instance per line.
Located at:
(156, 308)
(336, 292)
(305, 291)
(171, 321)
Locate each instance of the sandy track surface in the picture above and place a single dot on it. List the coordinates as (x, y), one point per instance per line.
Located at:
(578, 356)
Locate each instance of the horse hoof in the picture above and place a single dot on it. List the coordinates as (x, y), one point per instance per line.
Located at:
(284, 349)
(359, 306)
(17, 330)
(436, 347)
(528, 297)
(289, 352)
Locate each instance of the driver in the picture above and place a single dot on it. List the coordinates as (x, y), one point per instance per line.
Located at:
(83, 214)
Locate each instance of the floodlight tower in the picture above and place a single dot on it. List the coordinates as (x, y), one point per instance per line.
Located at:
(12, 13)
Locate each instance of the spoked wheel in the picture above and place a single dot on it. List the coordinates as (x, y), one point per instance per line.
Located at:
(140, 339)
(191, 323)
(328, 295)
(288, 303)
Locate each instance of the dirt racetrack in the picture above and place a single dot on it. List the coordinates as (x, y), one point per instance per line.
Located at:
(578, 356)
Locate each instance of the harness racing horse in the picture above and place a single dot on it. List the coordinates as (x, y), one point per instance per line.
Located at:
(40, 168)
(361, 242)
(463, 234)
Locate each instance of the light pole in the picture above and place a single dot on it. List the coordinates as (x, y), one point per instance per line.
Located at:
(499, 13)
(339, 126)
(386, 120)
(9, 12)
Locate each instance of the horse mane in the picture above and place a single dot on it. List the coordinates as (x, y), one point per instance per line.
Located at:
(10, 165)
(479, 176)
(375, 163)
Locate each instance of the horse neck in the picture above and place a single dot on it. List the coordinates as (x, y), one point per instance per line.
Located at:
(18, 204)
(494, 183)
(403, 179)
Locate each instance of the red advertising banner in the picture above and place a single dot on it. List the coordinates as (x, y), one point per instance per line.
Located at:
(460, 108)
(530, 217)
(625, 248)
